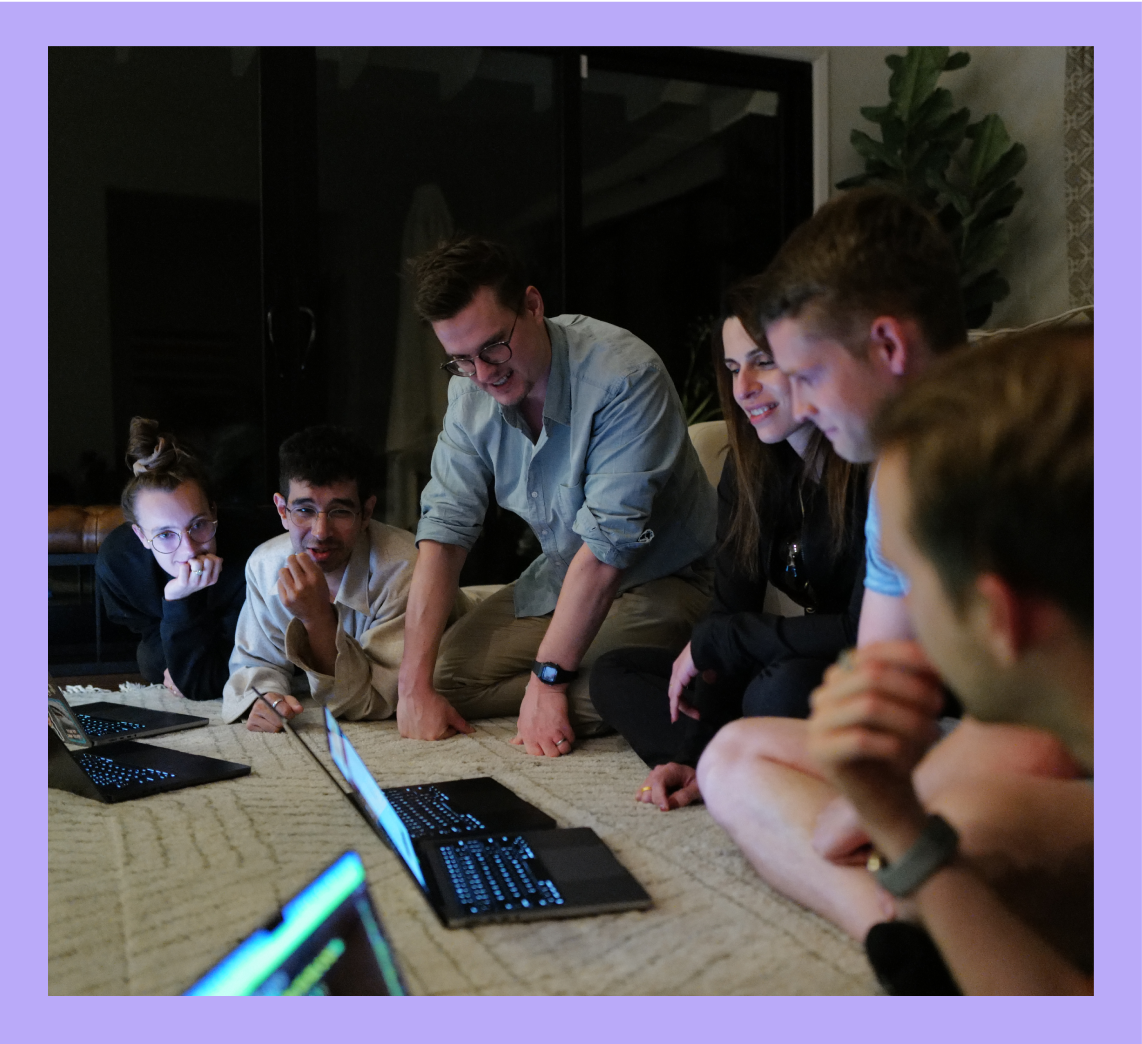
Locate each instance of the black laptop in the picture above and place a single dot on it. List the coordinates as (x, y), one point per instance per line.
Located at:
(494, 875)
(94, 724)
(327, 941)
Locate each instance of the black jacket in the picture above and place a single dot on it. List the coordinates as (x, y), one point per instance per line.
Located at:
(737, 638)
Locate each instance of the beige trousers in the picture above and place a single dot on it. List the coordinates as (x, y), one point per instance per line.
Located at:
(485, 658)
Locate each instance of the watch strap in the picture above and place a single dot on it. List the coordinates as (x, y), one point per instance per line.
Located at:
(936, 845)
(552, 673)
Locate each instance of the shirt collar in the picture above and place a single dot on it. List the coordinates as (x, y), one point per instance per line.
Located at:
(557, 404)
(354, 589)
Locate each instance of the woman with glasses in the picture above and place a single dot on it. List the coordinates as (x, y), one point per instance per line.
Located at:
(161, 573)
(790, 515)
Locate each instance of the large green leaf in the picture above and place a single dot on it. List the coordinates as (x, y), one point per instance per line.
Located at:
(894, 134)
(935, 110)
(871, 149)
(878, 113)
(1010, 164)
(989, 141)
(957, 61)
(951, 131)
(915, 78)
(949, 194)
(999, 204)
(983, 247)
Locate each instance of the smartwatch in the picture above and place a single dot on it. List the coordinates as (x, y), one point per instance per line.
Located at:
(552, 673)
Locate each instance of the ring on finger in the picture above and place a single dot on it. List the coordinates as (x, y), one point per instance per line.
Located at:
(562, 739)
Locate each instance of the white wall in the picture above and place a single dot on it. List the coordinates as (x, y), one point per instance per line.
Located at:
(1025, 86)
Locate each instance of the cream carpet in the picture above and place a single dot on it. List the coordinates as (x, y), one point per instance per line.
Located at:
(145, 895)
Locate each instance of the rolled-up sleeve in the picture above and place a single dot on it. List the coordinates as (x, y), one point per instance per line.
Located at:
(455, 500)
(258, 661)
(364, 681)
(637, 437)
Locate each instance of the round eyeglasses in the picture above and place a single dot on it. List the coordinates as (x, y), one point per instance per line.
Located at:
(305, 516)
(166, 541)
(495, 354)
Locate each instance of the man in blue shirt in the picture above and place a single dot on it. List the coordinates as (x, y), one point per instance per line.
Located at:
(576, 427)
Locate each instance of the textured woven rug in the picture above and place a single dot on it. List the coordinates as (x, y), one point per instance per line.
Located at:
(144, 896)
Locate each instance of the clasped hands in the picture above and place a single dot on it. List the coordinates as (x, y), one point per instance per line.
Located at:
(874, 717)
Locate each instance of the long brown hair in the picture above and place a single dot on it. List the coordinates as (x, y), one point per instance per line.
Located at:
(755, 463)
(157, 461)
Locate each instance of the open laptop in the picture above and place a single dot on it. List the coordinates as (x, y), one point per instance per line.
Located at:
(327, 941)
(127, 770)
(94, 724)
(518, 875)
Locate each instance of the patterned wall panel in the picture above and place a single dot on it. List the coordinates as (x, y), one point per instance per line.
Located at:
(1078, 160)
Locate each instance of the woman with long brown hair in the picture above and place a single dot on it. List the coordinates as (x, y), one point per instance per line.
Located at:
(160, 574)
(790, 515)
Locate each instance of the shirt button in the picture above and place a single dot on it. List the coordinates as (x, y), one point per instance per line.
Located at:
(534, 494)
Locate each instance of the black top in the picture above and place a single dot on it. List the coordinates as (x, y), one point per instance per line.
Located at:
(196, 632)
(737, 638)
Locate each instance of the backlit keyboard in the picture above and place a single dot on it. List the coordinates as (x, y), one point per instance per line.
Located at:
(425, 811)
(106, 772)
(495, 873)
(94, 726)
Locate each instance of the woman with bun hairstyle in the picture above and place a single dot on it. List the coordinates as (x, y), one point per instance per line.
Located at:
(791, 515)
(162, 575)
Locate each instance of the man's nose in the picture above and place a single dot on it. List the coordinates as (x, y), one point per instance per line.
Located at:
(484, 371)
(320, 525)
(803, 409)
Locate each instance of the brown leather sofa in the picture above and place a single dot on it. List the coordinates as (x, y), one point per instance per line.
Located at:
(75, 530)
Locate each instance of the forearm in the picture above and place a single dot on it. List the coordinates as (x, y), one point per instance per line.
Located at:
(988, 949)
(883, 618)
(431, 596)
(588, 591)
(322, 635)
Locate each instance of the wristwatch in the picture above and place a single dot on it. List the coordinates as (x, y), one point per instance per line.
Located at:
(934, 847)
(552, 673)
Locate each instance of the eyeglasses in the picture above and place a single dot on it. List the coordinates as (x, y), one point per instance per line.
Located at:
(305, 516)
(495, 354)
(166, 541)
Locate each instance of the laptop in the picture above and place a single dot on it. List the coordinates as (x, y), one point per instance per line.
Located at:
(127, 770)
(504, 875)
(327, 941)
(94, 724)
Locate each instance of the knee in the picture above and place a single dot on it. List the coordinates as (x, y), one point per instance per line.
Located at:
(725, 761)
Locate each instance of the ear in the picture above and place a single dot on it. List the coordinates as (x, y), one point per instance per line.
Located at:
(1002, 617)
(533, 302)
(280, 504)
(893, 342)
(139, 533)
(367, 508)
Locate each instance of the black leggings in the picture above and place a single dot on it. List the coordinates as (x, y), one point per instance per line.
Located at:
(629, 689)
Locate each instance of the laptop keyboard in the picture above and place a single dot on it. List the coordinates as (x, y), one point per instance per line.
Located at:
(425, 811)
(495, 873)
(107, 772)
(94, 726)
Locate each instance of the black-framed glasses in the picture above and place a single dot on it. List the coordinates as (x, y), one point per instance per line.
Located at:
(166, 541)
(305, 516)
(495, 354)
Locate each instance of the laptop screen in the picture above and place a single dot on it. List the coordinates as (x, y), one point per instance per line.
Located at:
(327, 942)
(349, 762)
(62, 718)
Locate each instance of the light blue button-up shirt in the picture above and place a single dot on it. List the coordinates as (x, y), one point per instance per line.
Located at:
(613, 467)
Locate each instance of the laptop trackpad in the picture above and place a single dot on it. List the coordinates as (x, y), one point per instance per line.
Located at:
(581, 864)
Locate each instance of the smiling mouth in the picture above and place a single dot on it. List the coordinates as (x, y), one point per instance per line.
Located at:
(501, 382)
(760, 412)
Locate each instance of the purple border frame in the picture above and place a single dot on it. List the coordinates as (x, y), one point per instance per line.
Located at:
(1114, 29)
